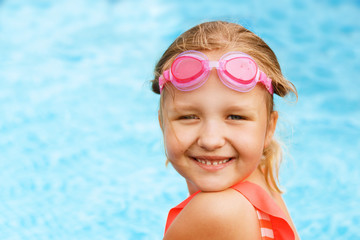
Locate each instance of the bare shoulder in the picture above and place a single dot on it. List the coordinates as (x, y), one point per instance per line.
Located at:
(216, 215)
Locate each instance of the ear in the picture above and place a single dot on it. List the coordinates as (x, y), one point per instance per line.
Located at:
(271, 128)
(160, 120)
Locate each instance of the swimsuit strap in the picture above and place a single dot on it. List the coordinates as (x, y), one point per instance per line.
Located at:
(261, 200)
(266, 229)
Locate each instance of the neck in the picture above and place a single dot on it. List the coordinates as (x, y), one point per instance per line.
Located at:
(192, 189)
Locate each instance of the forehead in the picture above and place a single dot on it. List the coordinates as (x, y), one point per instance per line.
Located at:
(214, 95)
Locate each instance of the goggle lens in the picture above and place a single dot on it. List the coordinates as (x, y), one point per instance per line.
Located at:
(241, 69)
(186, 69)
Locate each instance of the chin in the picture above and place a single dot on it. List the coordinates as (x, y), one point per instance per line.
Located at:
(214, 187)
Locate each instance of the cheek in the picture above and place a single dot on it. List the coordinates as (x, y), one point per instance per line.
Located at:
(171, 145)
(251, 141)
(176, 141)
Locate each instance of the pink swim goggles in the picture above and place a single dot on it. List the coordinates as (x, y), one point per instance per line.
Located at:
(236, 70)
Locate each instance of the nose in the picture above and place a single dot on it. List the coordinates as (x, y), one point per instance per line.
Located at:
(211, 136)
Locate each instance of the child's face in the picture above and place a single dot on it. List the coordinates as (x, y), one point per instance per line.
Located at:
(215, 136)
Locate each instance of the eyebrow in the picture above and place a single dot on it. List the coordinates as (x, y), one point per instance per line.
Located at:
(176, 108)
(243, 108)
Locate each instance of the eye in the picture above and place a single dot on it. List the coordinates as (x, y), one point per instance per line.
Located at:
(188, 117)
(236, 117)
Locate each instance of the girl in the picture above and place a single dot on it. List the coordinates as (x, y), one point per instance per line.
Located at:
(216, 84)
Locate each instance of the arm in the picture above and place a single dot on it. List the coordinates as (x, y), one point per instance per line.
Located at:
(217, 215)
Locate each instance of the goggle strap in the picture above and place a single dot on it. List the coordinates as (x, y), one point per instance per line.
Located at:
(165, 77)
(266, 81)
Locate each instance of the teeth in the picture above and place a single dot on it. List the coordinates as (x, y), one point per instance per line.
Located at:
(208, 163)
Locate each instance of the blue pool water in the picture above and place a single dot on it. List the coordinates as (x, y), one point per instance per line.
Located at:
(81, 154)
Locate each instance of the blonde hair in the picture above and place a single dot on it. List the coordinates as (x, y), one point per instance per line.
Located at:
(220, 35)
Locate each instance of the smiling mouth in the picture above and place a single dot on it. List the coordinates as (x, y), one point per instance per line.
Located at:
(212, 162)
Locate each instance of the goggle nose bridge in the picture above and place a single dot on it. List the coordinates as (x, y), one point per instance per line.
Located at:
(214, 64)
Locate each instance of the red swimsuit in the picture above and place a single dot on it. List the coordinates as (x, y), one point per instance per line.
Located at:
(273, 223)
